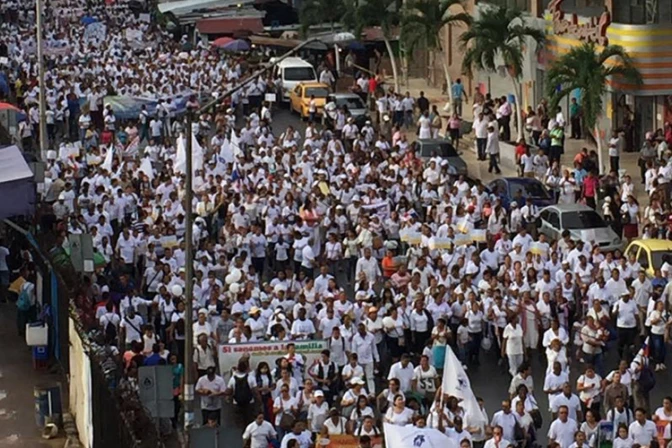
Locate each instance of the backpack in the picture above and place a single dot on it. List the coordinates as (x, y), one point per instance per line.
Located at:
(242, 392)
(110, 331)
(647, 380)
(23, 302)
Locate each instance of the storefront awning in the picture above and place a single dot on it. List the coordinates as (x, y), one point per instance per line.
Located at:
(229, 25)
(285, 43)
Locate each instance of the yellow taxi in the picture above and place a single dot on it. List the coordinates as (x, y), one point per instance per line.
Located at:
(299, 98)
(650, 253)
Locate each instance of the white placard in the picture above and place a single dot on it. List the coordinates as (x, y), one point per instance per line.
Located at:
(269, 97)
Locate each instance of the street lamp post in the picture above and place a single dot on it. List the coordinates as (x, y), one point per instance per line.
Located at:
(40, 73)
(189, 379)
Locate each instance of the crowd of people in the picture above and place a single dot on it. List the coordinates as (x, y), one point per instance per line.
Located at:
(341, 235)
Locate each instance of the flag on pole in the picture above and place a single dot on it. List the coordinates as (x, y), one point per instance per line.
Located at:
(410, 436)
(146, 167)
(107, 163)
(456, 383)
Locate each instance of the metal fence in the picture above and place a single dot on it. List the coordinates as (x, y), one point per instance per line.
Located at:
(119, 420)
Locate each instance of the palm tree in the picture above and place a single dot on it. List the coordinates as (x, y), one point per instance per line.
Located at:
(315, 12)
(422, 24)
(500, 33)
(382, 13)
(589, 71)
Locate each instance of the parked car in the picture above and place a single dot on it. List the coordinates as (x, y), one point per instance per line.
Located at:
(519, 189)
(650, 254)
(582, 222)
(428, 148)
(299, 98)
(356, 106)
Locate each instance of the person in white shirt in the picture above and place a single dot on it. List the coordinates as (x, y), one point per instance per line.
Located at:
(506, 420)
(364, 345)
(497, 440)
(563, 428)
(300, 434)
(569, 400)
(318, 412)
(480, 128)
(131, 327)
(403, 371)
(512, 344)
(627, 315)
(555, 381)
(259, 432)
(642, 431)
(211, 388)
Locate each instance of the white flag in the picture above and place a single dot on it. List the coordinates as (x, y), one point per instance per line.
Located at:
(180, 164)
(456, 383)
(226, 153)
(410, 436)
(146, 167)
(235, 145)
(107, 163)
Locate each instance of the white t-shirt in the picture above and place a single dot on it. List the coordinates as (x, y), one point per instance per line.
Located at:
(401, 419)
(563, 432)
(259, 434)
(514, 340)
(426, 379)
(572, 403)
(404, 375)
(217, 385)
(590, 394)
(133, 328)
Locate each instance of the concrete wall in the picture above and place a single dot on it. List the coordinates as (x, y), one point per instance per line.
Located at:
(80, 387)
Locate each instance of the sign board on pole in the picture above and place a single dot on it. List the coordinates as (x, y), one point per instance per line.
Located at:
(155, 388)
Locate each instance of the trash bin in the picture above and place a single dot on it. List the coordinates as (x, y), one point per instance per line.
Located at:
(40, 357)
(48, 404)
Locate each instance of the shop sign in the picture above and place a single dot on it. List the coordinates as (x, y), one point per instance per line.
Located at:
(593, 31)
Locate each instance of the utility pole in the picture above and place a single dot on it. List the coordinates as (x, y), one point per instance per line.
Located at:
(189, 379)
(43, 97)
(192, 109)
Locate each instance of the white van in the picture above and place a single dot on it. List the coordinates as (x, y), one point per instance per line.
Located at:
(292, 72)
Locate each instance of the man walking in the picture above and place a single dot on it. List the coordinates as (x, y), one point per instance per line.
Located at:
(457, 90)
(492, 148)
(480, 128)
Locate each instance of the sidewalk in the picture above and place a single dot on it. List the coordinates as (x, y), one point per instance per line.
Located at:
(17, 381)
(479, 169)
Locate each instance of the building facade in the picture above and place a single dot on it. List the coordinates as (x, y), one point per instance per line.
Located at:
(642, 27)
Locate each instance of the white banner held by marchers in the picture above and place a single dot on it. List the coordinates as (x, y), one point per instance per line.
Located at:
(414, 437)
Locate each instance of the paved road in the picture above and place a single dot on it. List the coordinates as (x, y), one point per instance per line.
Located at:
(490, 381)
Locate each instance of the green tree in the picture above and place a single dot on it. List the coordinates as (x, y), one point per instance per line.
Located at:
(316, 12)
(500, 34)
(422, 24)
(382, 13)
(587, 70)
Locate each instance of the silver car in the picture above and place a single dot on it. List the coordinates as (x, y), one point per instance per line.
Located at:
(582, 222)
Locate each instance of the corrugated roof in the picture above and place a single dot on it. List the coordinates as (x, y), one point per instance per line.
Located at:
(227, 25)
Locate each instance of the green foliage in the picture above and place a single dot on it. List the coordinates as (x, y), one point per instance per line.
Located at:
(498, 32)
(584, 69)
(315, 12)
(423, 21)
(382, 13)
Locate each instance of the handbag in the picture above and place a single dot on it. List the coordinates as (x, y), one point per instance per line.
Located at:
(537, 419)
(286, 419)
(486, 343)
